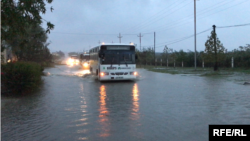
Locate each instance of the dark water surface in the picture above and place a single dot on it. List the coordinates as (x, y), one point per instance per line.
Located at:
(74, 106)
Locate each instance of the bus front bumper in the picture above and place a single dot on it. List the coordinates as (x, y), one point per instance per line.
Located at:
(115, 78)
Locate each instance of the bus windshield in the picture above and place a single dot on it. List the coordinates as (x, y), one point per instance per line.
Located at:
(118, 57)
(86, 57)
(74, 57)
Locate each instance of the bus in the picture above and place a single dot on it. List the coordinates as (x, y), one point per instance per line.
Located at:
(84, 59)
(73, 60)
(113, 61)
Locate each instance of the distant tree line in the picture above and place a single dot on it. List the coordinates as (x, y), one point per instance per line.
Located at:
(214, 53)
(241, 57)
(73, 53)
(57, 55)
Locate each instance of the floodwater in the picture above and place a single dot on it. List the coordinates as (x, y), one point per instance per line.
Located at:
(73, 105)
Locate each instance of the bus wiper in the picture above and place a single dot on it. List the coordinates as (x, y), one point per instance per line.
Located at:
(125, 61)
(112, 62)
(119, 62)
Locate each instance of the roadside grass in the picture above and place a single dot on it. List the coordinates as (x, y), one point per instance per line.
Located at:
(199, 71)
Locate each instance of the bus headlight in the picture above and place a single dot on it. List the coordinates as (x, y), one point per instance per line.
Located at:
(85, 64)
(104, 73)
(134, 73)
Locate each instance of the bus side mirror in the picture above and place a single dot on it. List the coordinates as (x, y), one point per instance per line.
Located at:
(101, 55)
(136, 57)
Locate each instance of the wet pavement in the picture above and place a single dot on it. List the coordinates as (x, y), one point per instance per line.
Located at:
(73, 105)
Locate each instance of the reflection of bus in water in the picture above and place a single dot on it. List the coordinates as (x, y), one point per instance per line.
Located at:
(113, 61)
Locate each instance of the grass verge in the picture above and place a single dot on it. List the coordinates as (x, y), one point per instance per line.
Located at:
(198, 71)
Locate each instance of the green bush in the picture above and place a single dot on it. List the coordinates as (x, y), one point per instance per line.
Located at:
(21, 77)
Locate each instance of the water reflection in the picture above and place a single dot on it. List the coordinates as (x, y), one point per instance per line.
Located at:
(103, 113)
(135, 108)
(84, 118)
(82, 72)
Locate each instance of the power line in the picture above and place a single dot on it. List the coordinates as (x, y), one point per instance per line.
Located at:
(91, 33)
(178, 23)
(180, 39)
(247, 24)
(162, 17)
(199, 13)
(187, 37)
(185, 20)
(148, 33)
(111, 34)
(44, 20)
(152, 17)
(150, 23)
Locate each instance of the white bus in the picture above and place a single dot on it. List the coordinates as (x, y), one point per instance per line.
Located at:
(84, 59)
(113, 61)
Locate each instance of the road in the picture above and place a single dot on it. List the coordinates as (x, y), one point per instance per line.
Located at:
(73, 105)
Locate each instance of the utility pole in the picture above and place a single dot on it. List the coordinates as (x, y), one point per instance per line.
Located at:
(119, 37)
(195, 34)
(215, 51)
(140, 39)
(99, 42)
(154, 46)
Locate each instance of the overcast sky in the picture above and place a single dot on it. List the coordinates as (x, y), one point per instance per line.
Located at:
(81, 24)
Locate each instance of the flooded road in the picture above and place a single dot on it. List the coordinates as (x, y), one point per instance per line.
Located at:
(72, 105)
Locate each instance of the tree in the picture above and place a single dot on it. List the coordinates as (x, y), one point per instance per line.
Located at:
(1, 56)
(165, 54)
(147, 55)
(173, 54)
(241, 56)
(201, 57)
(33, 47)
(60, 53)
(166, 51)
(190, 58)
(72, 53)
(16, 15)
(181, 55)
(213, 54)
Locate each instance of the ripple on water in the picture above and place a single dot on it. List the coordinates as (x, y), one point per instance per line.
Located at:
(27, 117)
